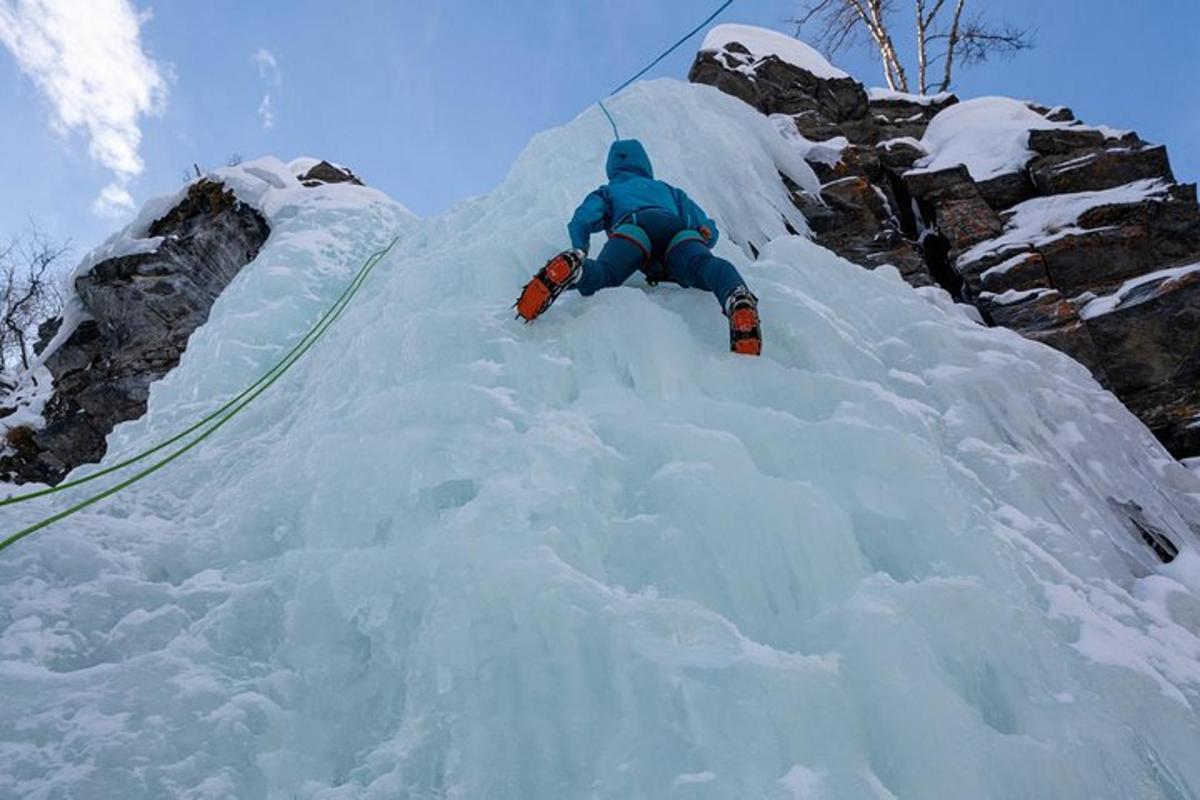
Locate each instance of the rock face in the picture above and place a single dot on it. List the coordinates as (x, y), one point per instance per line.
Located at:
(1085, 246)
(324, 172)
(860, 214)
(141, 309)
(822, 107)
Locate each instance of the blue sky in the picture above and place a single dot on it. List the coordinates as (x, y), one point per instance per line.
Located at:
(432, 101)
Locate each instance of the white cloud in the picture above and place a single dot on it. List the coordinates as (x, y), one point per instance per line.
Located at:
(264, 113)
(114, 201)
(268, 70)
(87, 59)
(268, 65)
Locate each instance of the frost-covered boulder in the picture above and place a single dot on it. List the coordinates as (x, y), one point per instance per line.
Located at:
(324, 172)
(899, 115)
(827, 116)
(137, 301)
(129, 322)
(780, 75)
(958, 187)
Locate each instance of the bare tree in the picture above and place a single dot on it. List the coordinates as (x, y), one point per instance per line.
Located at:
(953, 37)
(31, 291)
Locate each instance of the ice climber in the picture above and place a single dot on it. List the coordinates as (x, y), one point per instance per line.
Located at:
(653, 227)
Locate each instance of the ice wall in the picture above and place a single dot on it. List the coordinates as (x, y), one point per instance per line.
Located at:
(454, 556)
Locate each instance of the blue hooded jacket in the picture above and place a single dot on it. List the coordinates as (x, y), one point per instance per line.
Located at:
(631, 187)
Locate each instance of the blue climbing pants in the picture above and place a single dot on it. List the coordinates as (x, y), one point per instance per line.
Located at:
(659, 244)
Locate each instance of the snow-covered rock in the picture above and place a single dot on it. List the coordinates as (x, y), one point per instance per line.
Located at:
(882, 95)
(829, 120)
(137, 300)
(780, 75)
(989, 135)
(1044, 220)
(993, 198)
(762, 43)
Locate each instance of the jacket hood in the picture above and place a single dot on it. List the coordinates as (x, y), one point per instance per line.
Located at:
(628, 157)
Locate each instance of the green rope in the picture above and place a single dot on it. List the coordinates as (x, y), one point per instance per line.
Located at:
(221, 416)
(13, 500)
(232, 407)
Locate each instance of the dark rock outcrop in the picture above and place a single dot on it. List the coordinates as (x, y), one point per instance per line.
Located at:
(141, 309)
(1103, 168)
(822, 107)
(324, 172)
(1151, 342)
(1005, 191)
(899, 116)
(964, 233)
(858, 214)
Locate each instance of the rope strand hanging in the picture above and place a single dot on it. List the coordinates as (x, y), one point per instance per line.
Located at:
(655, 62)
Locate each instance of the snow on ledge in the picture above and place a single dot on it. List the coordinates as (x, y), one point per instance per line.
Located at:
(1044, 219)
(762, 42)
(879, 94)
(989, 135)
(1014, 296)
(1005, 266)
(902, 140)
(828, 152)
(1113, 301)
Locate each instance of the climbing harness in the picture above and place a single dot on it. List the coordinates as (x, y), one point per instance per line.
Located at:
(217, 418)
(654, 63)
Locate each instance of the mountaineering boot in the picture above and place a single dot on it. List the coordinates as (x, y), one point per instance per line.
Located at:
(744, 335)
(559, 273)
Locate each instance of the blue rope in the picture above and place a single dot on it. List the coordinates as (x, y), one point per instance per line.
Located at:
(655, 62)
(611, 121)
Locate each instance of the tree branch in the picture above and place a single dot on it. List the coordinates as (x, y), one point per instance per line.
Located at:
(29, 292)
(966, 40)
(951, 44)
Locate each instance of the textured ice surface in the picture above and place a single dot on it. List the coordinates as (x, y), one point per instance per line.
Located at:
(454, 556)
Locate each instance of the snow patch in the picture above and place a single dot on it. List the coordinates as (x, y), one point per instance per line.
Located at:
(762, 42)
(828, 152)
(1013, 296)
(899, 140)
(1113, 301)
(1005, 266)
(882, 94)
(1044, 219)
(990, 135)
(29, 397)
